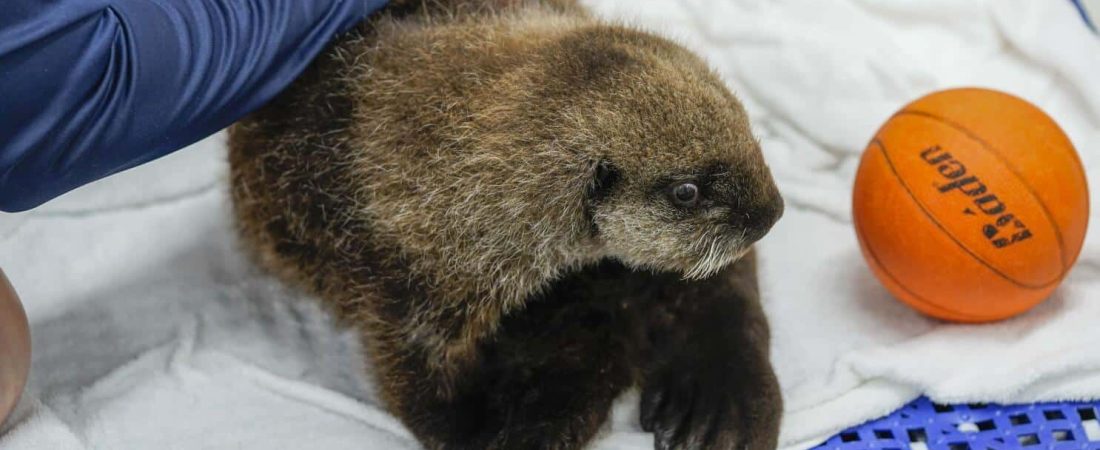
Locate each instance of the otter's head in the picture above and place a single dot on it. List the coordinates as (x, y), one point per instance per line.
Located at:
(677, 180)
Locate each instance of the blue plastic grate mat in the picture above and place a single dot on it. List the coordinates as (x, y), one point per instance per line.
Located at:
(923, 425)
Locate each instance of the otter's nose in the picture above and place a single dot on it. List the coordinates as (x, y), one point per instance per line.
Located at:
(757, 219)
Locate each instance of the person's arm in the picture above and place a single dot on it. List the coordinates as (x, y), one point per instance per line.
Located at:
(89, 88)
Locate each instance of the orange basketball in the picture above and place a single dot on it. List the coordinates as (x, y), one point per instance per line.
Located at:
(15, 348)
(970, 205)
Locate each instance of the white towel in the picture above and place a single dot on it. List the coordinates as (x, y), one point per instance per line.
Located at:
(152, 331)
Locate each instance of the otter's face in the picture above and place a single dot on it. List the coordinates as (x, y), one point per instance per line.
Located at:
(678, 180)
(694, 221)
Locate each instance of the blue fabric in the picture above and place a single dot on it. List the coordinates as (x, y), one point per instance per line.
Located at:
(89, 88)
(1084, 14)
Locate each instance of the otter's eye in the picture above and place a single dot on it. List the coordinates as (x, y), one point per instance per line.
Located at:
(686, 194)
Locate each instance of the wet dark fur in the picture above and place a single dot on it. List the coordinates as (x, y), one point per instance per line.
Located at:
(528, 347)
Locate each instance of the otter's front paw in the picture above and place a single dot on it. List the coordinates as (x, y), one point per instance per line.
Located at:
(712, 405)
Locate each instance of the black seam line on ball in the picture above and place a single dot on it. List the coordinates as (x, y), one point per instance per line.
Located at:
(897, 281)
(989, 148)
(930, 217)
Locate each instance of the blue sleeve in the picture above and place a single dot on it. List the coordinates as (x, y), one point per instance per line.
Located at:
(89, 88)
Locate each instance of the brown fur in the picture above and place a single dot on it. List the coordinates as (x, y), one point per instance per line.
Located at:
(449, 163)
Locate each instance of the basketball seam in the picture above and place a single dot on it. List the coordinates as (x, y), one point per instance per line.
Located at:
(897, 281)
(1011, 168)
(929, 216)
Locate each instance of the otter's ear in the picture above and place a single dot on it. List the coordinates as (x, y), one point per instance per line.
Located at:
(604, 178)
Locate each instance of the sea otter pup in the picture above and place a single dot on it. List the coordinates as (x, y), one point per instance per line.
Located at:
(524, 211)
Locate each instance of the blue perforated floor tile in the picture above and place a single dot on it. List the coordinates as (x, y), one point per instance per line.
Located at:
(923, 425)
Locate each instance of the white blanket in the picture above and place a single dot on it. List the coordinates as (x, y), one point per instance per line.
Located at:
(152, 331)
